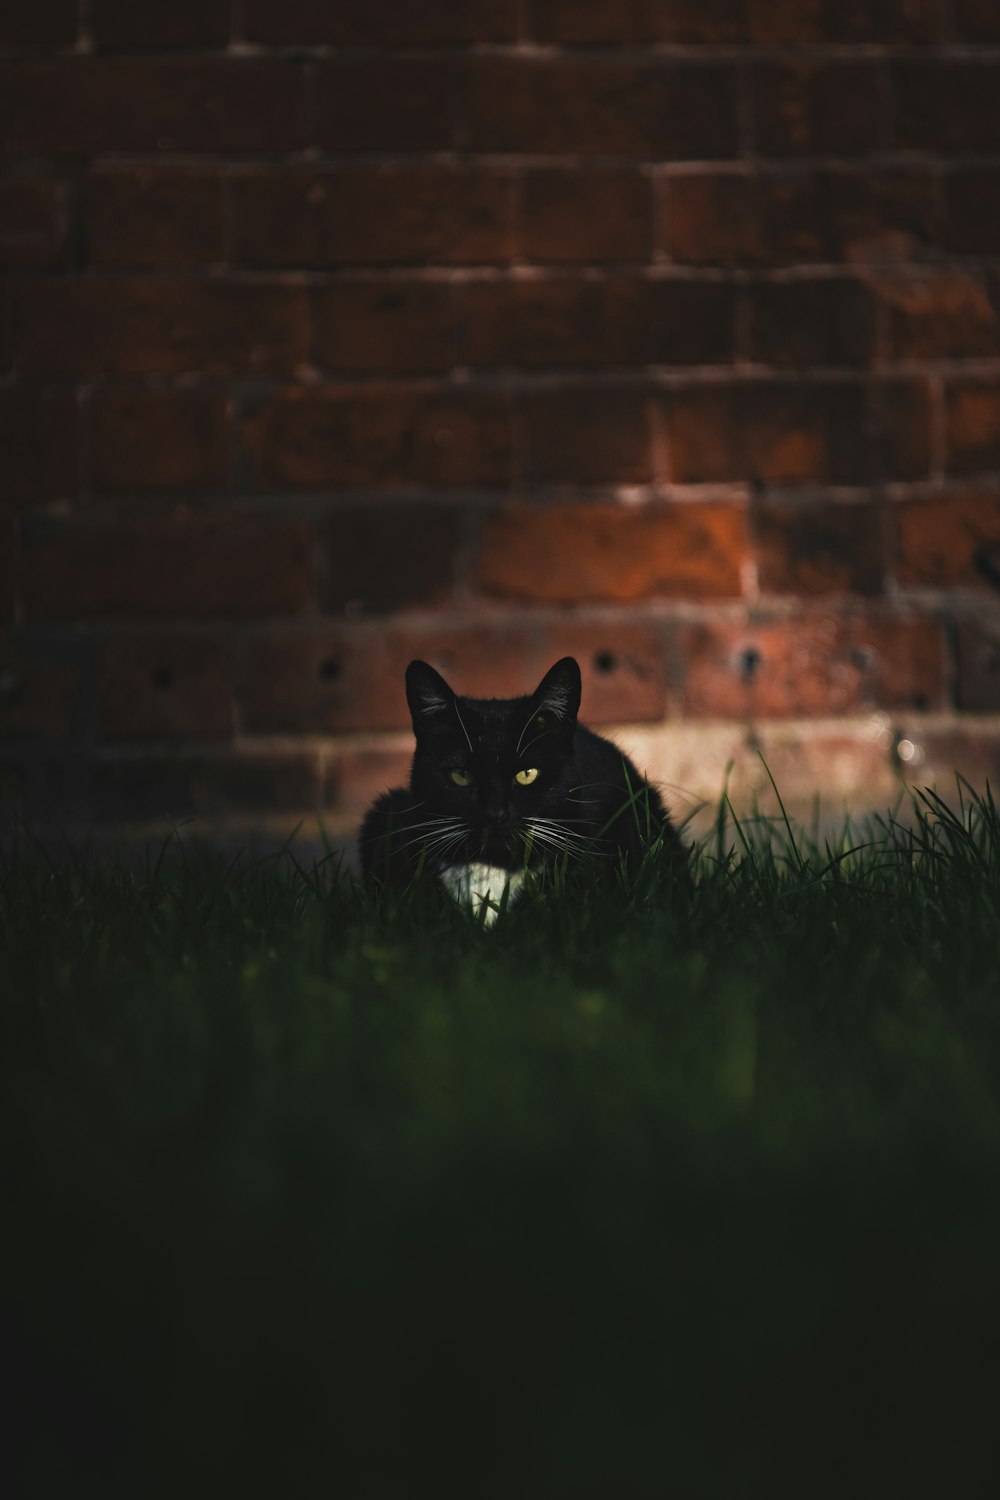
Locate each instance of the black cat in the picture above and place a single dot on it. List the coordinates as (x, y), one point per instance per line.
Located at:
(503, 786)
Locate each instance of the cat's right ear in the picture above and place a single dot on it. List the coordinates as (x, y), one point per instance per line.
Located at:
(428, 695)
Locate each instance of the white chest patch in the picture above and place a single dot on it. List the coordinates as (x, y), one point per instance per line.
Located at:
(477, 885)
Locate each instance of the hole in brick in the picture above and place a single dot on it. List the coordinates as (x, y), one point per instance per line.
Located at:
(920, 700)
(329, 669)
(163, 678)
(750, 660)
(862, 657)
(605, 662)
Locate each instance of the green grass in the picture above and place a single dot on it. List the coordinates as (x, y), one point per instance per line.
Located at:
(635, 1194)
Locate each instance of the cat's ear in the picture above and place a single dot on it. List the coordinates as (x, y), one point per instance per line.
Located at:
(428, 695)
(558, 693)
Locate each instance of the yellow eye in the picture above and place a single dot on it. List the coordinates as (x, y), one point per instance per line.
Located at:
(525, 778)
(460, 778)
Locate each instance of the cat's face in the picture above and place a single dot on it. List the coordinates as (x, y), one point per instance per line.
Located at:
(492, 770)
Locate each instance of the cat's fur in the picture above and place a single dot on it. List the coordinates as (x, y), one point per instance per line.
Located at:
(588, 801)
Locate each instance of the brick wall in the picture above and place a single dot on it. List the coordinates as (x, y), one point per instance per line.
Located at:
(335, 332)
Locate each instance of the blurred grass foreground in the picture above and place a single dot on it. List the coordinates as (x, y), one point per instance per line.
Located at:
(634, 1194)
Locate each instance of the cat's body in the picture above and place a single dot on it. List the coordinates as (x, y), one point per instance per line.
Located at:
(505, 786)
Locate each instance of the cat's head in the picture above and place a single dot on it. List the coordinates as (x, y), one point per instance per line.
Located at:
(493, 765)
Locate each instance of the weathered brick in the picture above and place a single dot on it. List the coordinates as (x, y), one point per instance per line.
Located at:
(204, 566)
(738, 218)
(165, 686)
(937, 753)
(949, 542)
(785, 433)
(623, 664)
(357, 777)
(794, 324)
(162, 327)
(381, 23)
(596, 22)
(799, 109)
(381, 436)
(972, 419)
(586, 214)
(942, 314)
(617, 320)
(795, 22)
(39, 444)
(972, 217)
(975, 20)
(351, 676)
(587, 434)
(587, 107)
(162, 789)
(26, 23)
(946, 106)
(387, 556)
(121, 25)
(156, 216)
(384, 215)
(381, 102)
(819, 548)
(811, 665)
(385, 325)
(38, 691)
(33, 222)
(82, 106)
(568, 554)
(977, 684)
(156, 439)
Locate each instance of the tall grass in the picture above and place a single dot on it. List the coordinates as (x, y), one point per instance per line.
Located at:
(642, 1191)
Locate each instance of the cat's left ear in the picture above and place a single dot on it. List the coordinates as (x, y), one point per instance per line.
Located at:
(428, 695)
(558, 693)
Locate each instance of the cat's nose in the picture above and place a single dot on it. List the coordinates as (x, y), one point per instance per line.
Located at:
(498, 816)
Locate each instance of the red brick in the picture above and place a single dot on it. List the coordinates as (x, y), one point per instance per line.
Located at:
(621, 320)
(381, 23)
(156, 216)
(351, 676)
(975, 20)
(797, 22)
(9, 573)
(381, 436)
(381, 215)
(168, 789)
(588, 107)
(357, 777)
(82, 106)
(586, 214)
(39, 444)
(156, 439)
(799, 109)
(972, 417)
(942, 314)
(950, 542)
(199, 565)
(977, 686)
(584, 434)
(946, 106)
(387, 103)
(735, 218)
(162, 327)
(590, 22)
(811, 665)
(793, 324)
(623, 664)
(33, 222)
(28, 23)
(794, 434)
(388, 556)
(818, 548)
(568, 554)
(385, 325)
(38, 692)
(122, 25)
(972, 224)
(165, 686)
